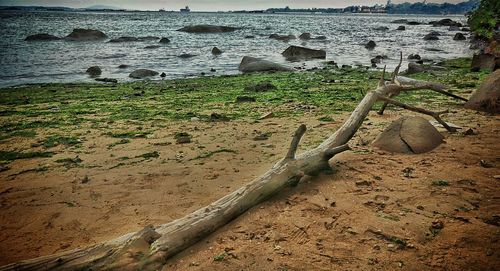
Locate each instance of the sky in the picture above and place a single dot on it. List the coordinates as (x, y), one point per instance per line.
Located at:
(209, 5)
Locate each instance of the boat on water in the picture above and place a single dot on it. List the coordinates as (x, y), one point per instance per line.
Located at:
(185, 10)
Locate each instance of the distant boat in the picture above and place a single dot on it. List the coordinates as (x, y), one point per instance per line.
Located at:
(186, 10)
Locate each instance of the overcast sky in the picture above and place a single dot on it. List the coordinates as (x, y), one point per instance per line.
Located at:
(208, 5)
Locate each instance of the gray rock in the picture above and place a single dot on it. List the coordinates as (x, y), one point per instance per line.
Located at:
(484, 61)
(400, 21)
(134, 39)
(207, 29)
(252, 64)
(142, 73)
(414, 57)
(370, 45)
(94, 71)
(381, 28)
(123, 66)
(401, 28)
(431, 36)
(107, 80)
(41, 37)
(152, 47)
(80, 34)
(296, 53)
(409, 135)
(487, 97)
(187, 55)
(459, 36)
(164, 40)
(216, 51)
(454, 28)
(305, 36)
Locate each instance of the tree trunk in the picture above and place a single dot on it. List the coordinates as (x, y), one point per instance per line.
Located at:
(150, 248)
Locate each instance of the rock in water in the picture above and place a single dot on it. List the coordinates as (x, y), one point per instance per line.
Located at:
(459, 36)
(252, 64)
(487, 97)
(164, 40)
(86, 35)
(401, 28)
(41, 37)
(370, 45)
(296, 53)
(207, 29)
(94, 71)
(216, 51)
(305, 36)
(409, 135)
(142, 73)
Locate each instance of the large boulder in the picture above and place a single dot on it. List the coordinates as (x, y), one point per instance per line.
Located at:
(432, 36)
(164, 40)
(409, 135)
(401, 28)
(41, 37)
(207, 29)
(484, 61)
(216, 51)
(80, 34)
(252, 64)
(142, 73)
(296, 53)
(487, 97)
(94, 71)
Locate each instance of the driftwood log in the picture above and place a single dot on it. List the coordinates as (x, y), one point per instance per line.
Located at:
(150, 248)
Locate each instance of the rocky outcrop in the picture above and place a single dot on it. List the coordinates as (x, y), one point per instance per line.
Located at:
(381, 28)
(400, 21)
(432, 36)
(207, 29)
(134, 39)
(401, 28)
(445, 22)
(41, 37)
(413, 23)
(410, 135)
(370, 45)
(164, 40)
(216, 51)
(459, 36)
(142, 73)
(94, 71)
(487, 97)
(80, 34)
(252, 64)
(305, 36)
(296, 53)
(484, 61)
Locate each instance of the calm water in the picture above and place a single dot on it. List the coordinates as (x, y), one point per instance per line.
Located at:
(65, 61)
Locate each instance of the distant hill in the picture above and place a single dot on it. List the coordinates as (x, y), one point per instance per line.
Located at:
(99, 7)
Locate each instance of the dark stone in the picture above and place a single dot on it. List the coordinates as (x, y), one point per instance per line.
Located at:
(216, 51)
(459, 36)
(400, 21)
(152, 47)
(41, 37)
(381, 28)
(296, 53)
(107, 80)
(123, 66)
(370, 45)
(218, 117)
(250, 37)
(186, 56)
(305, 36)
(134, 39)
(401, 28)
(414, 57)
(252, 64)
(142, 73)
(86, 35)
(164, 40)
(431, 36)
(413, 23)
(284, 38)
(94, 71)
(207, 29)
